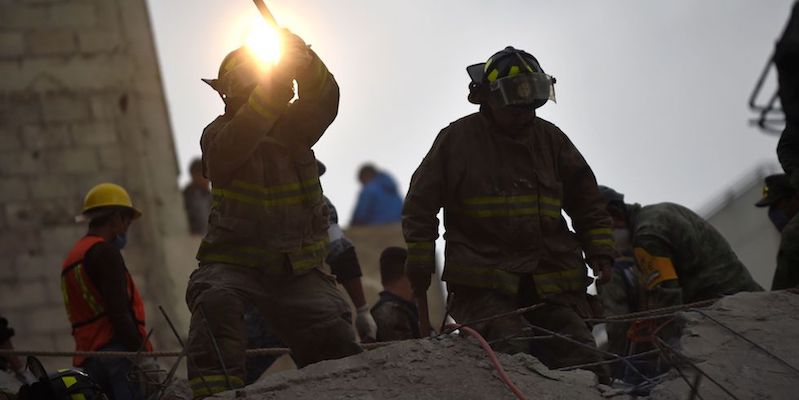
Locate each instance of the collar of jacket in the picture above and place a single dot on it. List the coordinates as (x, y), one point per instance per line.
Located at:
(488, 119)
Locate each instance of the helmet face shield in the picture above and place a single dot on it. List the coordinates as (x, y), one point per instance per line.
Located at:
(523, 89)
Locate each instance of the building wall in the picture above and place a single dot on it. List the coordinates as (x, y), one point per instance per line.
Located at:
(81, 102)
(749, 231)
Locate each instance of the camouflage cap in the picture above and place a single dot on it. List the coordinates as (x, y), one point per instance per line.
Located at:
(775, 188)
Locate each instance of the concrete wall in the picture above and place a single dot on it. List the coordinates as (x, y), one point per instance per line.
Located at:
(81, 102)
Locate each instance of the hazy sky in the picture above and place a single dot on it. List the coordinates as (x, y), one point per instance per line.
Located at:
(653, 93)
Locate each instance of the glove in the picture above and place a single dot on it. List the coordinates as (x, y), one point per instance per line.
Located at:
(603, 269)
(296, 54)
(365, 324)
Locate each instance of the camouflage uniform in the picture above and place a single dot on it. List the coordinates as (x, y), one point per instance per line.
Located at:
(507, 242)
(396, 318)
(682, 258)
(787, 274)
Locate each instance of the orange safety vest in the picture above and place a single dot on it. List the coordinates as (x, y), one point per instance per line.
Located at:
(91, 326)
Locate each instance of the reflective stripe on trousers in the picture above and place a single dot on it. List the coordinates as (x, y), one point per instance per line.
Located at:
(209, 384)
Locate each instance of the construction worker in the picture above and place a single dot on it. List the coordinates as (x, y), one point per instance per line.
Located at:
(101, 299)
(343, 262)
(782, 200)
(267, 231)
(680, 256)
(503, 176)
(396, 314)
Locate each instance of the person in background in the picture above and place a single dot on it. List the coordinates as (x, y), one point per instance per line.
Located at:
(12, 364)
(395, 313)
(197, 199)
(379, 201)
(103, 304)
(782, 200)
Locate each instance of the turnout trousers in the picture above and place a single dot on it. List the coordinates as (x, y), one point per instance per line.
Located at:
(306, 311)
(470, 303)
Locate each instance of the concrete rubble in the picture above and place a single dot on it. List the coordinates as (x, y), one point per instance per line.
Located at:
(454, 368)
(769, 319)
(457, 368)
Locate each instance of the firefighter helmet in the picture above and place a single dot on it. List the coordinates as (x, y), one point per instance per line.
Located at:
(514, 77)
(238, 72)
(66, 384)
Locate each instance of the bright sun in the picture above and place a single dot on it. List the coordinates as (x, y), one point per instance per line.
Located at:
(264, 41)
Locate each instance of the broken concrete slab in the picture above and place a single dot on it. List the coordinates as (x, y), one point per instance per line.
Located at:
(443, 368)
(770, 320)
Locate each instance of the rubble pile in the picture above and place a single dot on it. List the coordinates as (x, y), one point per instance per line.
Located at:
(442, 368)
(454, 367)
(770, 320)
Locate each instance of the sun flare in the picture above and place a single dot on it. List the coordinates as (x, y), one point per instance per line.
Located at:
(264, 41)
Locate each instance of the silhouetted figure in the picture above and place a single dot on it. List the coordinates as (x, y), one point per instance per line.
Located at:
(379, 201)
(197, 199)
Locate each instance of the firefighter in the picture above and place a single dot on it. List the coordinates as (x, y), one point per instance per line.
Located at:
(101, 299)
(503, 176)
(267, 230)
(681, 257)
(782, 201)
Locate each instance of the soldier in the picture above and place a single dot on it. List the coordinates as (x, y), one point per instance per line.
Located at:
(782, 201)
(396, 314)
(681, 257)
(503, 176)
(267, 231)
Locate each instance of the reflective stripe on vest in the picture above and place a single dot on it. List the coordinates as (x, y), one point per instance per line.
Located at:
(91, 327)
(602, 237)
(306, 192)
(510, 206)
(423, 253)
(308, 256)
(207, 385)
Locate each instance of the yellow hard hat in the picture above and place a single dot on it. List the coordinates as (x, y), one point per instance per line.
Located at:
(108, 194)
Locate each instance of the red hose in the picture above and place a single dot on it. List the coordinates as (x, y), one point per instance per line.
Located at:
(493, 357)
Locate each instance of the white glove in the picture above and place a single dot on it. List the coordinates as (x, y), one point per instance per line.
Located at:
(365, 324)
